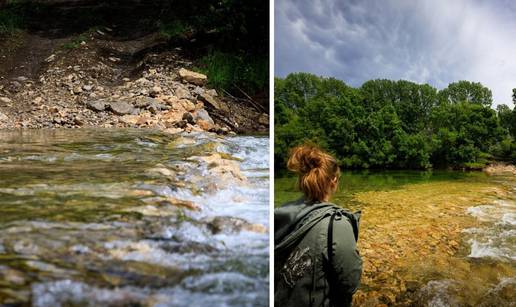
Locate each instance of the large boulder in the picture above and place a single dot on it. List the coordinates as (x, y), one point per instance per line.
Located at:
(121, 108)
(96, 105)
(213, 102)
(192, 77)
(202, 114)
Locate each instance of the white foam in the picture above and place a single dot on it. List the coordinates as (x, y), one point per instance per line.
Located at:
(490, 250)
(481, 212)
(64, 292)
(495, 238)
(439, 293)
(509, 219)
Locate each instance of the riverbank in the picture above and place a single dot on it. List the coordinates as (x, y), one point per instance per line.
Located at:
(101, 79)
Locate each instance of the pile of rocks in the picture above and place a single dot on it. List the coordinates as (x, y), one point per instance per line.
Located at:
(89, 88)
(176, 102)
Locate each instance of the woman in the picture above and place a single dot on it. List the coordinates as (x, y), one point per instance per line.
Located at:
(316, 260)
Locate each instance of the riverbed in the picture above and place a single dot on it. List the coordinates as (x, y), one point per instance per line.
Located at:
(133, 217)
(442, 238)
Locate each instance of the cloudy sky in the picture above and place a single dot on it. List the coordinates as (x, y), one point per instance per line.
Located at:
(426, 41)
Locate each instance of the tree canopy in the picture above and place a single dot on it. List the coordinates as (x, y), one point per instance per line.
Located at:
(393, 124)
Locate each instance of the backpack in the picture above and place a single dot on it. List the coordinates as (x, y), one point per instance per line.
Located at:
(286, 252)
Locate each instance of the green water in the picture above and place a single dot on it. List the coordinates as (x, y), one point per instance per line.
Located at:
(95, 217)
(362, 181)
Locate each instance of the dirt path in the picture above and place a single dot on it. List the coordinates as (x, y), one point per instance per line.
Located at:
(28, 58)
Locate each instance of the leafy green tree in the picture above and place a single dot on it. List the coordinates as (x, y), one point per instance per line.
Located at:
(505, 114)
(391, 124)
(466, 91)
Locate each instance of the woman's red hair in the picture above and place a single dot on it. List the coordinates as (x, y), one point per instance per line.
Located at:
(316, 169)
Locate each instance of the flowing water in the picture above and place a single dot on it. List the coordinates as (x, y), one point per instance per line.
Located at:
(443, 238)
(133, 217)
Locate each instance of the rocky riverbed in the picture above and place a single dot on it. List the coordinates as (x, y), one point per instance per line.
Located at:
(133, 217)
(431, 238)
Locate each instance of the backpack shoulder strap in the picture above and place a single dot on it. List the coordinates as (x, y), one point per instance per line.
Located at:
(330, 238)
(330, 273)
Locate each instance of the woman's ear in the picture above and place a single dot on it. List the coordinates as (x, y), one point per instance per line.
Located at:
(334, 183)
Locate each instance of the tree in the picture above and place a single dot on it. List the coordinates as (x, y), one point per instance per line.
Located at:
(391, 124)
(466, 91)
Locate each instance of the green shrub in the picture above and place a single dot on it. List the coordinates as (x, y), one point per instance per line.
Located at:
(173, 30)
(10, 21)
(75, 42)
(228, 71)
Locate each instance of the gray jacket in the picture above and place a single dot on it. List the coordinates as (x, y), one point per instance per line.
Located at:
(304, 274)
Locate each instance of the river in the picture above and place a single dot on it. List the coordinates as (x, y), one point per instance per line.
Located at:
(133, 217)
(441, 238)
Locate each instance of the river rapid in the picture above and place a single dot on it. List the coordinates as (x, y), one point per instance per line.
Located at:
(133, 217)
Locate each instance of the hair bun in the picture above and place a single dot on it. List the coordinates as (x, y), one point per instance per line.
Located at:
(317, 171)
(305, 158)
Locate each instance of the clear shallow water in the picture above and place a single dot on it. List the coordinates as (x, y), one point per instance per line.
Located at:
(102, 217)
(481, 271)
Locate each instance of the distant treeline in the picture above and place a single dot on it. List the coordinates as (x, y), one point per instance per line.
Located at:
(393, 124)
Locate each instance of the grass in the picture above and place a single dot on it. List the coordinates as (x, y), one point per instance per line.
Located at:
(76, 41)
(228, 71)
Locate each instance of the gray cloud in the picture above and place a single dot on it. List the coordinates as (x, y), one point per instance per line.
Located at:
(426, 41)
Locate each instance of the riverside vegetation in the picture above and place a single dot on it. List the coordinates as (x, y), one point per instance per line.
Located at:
(393, 124)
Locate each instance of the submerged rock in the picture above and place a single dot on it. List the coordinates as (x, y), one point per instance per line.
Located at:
(500, 169)
(226, 171)
(68, 292)
(229, 224)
